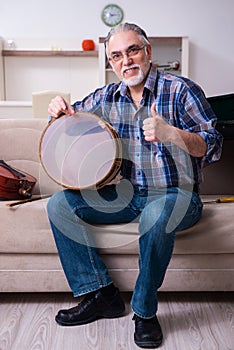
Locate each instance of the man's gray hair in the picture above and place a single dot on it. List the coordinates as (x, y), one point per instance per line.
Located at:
(124, 27)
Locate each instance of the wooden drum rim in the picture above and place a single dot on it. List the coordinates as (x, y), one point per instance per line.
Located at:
(117, 156)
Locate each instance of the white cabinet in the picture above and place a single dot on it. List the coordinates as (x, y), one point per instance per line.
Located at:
(168, 52)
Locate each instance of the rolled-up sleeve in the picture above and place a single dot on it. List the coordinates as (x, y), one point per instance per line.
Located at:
(198, 117)
(214, 142)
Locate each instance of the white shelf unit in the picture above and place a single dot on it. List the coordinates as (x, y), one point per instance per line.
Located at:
(165, 51)
(26, 71)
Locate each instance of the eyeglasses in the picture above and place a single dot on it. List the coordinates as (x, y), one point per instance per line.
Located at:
(130, 52)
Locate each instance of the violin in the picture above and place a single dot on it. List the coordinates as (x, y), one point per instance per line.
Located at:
(14, 183)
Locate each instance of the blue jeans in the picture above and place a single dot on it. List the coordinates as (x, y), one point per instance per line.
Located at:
(160, 214)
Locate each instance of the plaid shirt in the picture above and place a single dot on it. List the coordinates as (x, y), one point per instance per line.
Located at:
(182, 104)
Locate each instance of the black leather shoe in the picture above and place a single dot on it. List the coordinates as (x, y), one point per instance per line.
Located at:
(148, 332)
(91, 308)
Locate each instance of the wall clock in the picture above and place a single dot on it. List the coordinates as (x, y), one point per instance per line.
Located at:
(112, 15)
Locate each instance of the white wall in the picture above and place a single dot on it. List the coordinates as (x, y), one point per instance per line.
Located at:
(208, 23)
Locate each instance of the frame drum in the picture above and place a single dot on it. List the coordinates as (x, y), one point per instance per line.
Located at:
(80, 151)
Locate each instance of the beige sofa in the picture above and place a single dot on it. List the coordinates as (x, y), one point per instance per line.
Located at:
(203, 256)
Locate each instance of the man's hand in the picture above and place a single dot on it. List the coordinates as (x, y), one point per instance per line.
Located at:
(155, 128)
(59, 106)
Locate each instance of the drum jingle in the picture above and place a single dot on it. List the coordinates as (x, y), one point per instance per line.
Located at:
(80, 151)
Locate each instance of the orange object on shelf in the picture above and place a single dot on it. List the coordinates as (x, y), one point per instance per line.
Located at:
(88, 45)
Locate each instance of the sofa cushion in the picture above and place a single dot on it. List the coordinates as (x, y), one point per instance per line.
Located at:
(25, 229)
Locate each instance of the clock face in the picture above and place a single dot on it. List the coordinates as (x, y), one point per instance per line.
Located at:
(112, 15)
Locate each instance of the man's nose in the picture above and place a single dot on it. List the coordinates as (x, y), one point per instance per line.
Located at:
(126, 59)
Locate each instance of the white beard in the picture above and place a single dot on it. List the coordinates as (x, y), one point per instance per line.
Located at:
(133, 81)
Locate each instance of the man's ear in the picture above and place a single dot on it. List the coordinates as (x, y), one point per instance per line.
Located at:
(148, 50)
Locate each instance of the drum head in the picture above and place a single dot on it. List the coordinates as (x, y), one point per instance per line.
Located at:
(80, 151)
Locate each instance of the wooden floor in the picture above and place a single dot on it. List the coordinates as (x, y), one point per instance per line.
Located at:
(190, 321)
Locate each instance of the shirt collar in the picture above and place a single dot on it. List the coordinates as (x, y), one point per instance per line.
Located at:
(151, 78)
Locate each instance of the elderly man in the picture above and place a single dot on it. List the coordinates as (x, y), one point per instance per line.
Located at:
(167, 130)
